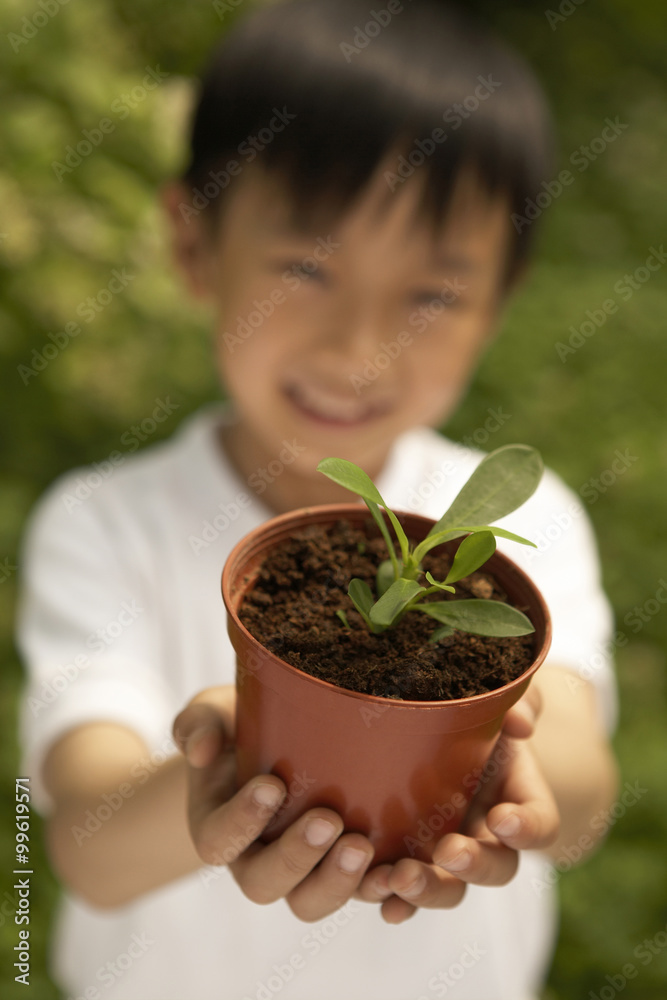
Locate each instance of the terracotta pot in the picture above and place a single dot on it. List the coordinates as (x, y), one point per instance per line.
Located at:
(400, 772)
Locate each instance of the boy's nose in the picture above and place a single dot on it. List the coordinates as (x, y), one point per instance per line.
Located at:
(353, 340)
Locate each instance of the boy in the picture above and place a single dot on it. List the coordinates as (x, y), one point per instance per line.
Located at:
(346, 213)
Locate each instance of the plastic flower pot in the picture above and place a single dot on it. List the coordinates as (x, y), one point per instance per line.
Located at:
(400, 772)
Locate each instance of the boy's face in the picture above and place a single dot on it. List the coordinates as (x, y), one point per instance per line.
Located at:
(336, 341)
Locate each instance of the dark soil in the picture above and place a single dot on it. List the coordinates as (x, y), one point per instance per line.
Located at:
(292, 612)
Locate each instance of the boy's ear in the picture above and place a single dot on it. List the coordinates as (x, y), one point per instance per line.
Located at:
(191, 241)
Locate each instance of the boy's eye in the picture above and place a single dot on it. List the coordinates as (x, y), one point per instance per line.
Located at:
(301, 269)
(436, 299)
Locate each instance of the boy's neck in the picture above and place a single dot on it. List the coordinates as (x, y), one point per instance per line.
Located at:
(287, 491)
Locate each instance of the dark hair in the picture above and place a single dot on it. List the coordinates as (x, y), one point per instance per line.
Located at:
(362, 82)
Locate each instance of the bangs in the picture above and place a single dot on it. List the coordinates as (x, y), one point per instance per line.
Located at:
(325, 92)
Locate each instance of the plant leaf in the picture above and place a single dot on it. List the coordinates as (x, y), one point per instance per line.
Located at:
(349, 475)
(502, 533)
(471, 554)
(479, 617)
(382, 525)
(385, 577)
(343, 617)
(441, 633)
(502, 481)
(433, 540)
(393, 601)
(361, 596)
(440, 586)
(400, 534)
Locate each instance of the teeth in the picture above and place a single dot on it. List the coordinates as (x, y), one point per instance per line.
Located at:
(330, 407)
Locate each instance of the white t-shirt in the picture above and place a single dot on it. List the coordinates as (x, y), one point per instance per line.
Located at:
(122, 620)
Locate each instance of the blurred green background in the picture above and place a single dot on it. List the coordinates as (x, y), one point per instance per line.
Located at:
(61, 238)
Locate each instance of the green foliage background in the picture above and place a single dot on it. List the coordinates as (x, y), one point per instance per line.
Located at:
(60, 240)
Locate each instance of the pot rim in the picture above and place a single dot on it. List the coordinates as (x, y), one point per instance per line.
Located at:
(319, 514)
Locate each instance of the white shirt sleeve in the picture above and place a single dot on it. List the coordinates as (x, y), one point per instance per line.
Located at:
(85, 631)
(566, 568)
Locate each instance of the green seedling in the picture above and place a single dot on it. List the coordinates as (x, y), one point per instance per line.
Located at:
(503, 481)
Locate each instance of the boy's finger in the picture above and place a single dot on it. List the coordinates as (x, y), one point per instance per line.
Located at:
(424, 885)
(375, 887)
(478, 862)
(521, 718)
(200, 733)
(334, 880)
(396, 910)
(275, 870)
(212, 708)
(225, 831)
(531, 826)
(527, 818)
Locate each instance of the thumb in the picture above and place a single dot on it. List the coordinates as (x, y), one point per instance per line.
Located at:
(521, 718)
(205, 727)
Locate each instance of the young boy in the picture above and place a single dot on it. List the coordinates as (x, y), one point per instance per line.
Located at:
(347, 213)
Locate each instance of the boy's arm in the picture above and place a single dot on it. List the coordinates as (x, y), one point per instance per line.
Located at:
(147, 838)
(139, 840)
(576, 757)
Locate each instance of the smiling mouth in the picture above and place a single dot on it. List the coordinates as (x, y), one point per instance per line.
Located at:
(331, 410)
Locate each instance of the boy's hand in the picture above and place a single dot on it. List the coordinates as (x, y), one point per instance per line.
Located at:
(513, 810)
(225, 824)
